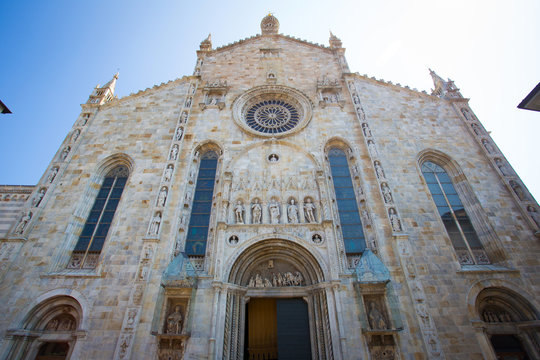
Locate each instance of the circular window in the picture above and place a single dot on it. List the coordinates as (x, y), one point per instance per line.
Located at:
(272, 116)
(272, 111)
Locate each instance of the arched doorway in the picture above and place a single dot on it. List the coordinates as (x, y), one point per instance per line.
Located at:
(54, 325)
(277, 307)
(510, 323)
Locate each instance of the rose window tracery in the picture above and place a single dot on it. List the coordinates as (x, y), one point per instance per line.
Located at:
(272, 111)
(272, 116)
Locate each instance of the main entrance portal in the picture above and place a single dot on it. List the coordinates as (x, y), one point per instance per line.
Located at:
(278, 305)
(277, 329)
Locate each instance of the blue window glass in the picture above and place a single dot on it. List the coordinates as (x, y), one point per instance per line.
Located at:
(351, 225)
(100, 218)
(455, 219)
(202, 205)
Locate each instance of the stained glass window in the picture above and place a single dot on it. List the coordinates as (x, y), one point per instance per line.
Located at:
(349, 217)
(202, 205)
(453, 215)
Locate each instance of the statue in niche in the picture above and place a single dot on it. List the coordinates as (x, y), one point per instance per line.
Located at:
(292, 213)
(467, 114)
(534, 214)
(394, 219)
(162, 197)
(309, 211)
(84, 120)
(517, 189)
(131, 317)
(502, 166)
(167, 175)
(174, 321)
(376, 318)
(372, 148)
(355, 171)
(52, 174)
(387, 194)
(365, 215)
(361, 112)
(179, 133)
(476, 128)
(148, 252)
(239, 212)
(75, 135)
(488, 146)
(187, 197)
(274, 212)
(65, 153)
(39, 196)
(379, 170)
(256, 212)
(154, 226)
(188, 102)
(183, 118)
(192, 172)
(174, 153)
(367, 131)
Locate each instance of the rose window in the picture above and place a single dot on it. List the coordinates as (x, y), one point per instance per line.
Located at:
(272, 111)
(272, 116)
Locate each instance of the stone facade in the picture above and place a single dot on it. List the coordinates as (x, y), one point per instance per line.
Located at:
(268, 111)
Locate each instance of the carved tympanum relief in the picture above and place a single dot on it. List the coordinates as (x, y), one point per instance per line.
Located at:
(274, 273)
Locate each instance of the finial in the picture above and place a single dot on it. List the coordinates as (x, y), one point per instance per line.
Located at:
(206, 44)
(269, 25)
(335, 42)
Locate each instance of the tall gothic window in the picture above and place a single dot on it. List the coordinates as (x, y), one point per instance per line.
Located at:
(99, 221)
(202, 205)
(349, 217)
(456, 221)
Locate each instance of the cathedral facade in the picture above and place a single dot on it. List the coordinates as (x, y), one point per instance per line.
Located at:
(273, 205)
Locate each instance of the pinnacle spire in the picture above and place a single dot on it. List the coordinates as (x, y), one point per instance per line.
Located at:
(443, 88)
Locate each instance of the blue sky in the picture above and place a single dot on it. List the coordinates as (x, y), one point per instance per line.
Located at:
(55, 52)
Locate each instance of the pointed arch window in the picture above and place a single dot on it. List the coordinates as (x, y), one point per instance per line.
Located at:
(99, 220)
(453, 215)
(349, 217)
(199, 221)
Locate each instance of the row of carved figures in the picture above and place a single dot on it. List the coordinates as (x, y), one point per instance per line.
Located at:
(277, 280)
(274, 210)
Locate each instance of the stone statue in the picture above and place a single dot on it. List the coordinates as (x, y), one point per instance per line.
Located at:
(179, 133)
(167, 175)
(174, 153)
(379, 170)
(39, 196)
(317, 239)
(25, 219)
(517, 189)
(162, 197)
(274, 212)
(174, 321)
(309, 211)
(367, 131)
(534, 214)
(365, 217)
(75, 135)
(386, 193)
(394, 220)
(65, 153)
(476, 128)
(188, 102)
(292, 213)
(256, 212)
(183, 118)
(52, 325)
(376, 318)
(467, 114)
(156, 222)
(52, 174)
(372, 148)
(239, 212)
(488, 146)
(502, 166)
